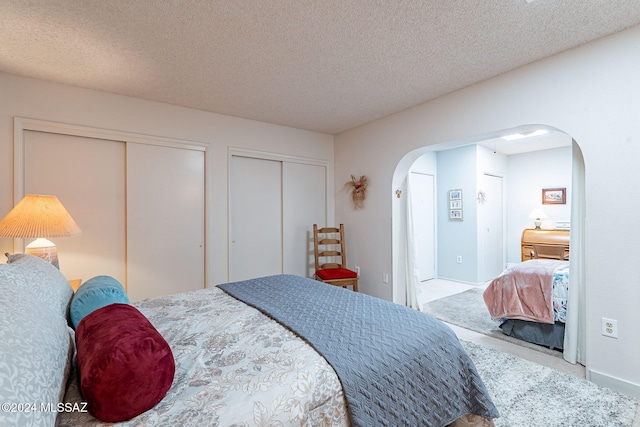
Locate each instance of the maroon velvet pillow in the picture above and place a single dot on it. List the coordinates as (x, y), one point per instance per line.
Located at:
(125, 366)
(336, 273)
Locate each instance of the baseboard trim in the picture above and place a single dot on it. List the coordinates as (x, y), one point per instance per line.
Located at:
(614, 383)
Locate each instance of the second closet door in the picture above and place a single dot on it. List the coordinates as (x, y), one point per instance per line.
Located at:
(304, 204)
(255, 196)
(273, 206)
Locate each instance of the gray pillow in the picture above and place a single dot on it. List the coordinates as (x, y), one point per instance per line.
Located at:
(41, 278)
(36, 349)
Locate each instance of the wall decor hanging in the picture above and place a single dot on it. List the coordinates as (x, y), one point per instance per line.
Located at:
(554, 196)
(358, 189)
(455, 205)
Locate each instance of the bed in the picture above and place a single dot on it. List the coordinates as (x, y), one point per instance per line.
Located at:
(529, 300)
(279, 350)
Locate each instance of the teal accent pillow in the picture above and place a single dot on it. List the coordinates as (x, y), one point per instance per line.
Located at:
(96, 293)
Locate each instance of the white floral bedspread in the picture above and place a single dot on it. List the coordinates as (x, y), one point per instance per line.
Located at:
(234, 367)
(560, 294)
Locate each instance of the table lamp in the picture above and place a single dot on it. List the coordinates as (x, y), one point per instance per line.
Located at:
(39, 217)
(537, 215)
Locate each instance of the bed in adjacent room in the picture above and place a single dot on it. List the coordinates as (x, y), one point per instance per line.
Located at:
(529, 300)
(279, 350)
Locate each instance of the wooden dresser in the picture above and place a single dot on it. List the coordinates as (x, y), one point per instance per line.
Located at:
(551, 239)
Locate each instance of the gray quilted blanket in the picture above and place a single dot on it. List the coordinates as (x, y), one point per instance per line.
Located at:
(398, 366)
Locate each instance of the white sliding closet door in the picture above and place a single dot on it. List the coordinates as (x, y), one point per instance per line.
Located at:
(273, 206)
(88, 177)
(255, 196)
(139, 201)
(304, 204)
(165, 220)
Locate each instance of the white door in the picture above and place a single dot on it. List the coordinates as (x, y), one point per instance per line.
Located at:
(255, 222)
(88, 176)
(273, 206)
(423, 200)
(140, 208)
(491, 213)
(304, 204)
(165, 220)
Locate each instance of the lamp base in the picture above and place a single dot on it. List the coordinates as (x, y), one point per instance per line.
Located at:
(45, 249)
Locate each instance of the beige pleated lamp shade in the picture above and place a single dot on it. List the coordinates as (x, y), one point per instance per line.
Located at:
(38, 216)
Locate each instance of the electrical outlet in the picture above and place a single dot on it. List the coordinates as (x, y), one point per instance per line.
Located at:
(358, 271)
(385, 278)
(609, 327)
(459, 259)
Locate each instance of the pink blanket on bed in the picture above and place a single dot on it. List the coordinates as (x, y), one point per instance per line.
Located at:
(524, 291)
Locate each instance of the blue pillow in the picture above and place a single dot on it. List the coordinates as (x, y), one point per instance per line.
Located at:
(96, 293)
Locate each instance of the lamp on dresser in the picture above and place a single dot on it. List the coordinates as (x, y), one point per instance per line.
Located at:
(39, 217)
(537, 215)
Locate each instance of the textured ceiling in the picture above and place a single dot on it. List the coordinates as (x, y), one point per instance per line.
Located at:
(322, 65)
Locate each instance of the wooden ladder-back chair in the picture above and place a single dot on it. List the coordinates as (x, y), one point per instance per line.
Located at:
(331, 247)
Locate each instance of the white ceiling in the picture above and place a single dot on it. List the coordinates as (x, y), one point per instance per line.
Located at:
(322, 65)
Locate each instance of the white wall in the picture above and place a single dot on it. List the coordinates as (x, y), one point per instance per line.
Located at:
(457, 171)
(528, 174)
(427, 163)
(590, 93)
(38, 99)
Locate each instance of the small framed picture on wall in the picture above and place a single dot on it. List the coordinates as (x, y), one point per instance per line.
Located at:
(455, 205)
(554, 196)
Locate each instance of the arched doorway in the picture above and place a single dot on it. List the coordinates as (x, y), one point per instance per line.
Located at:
(404, 270)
